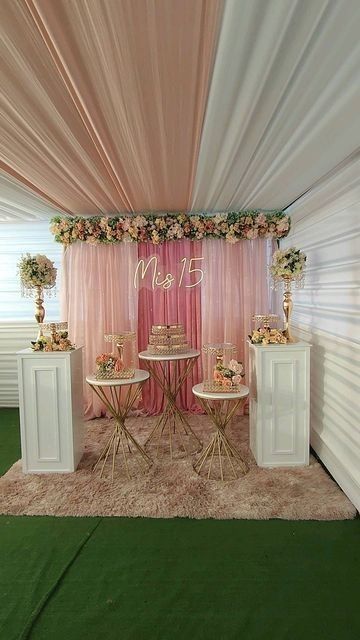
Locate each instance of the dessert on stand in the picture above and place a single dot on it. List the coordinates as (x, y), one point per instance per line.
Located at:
(170, 360)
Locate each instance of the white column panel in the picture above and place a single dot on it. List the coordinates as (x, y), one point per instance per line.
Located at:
(51, 397)
(279, 404)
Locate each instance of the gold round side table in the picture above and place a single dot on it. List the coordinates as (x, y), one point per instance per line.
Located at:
(220, 452)
(170, 373)
(109, 392)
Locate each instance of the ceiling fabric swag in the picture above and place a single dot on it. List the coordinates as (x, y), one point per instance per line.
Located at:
(102, 103)
(158, 228)
(289, 117)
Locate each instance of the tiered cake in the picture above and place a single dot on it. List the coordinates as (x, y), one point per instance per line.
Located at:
(167, 339)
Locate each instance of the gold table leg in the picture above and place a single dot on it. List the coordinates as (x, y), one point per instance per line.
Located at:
(172, 421)
(121, 438)
(220, 447)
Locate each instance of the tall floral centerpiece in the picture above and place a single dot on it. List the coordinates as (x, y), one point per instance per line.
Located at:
(287, 268)
(37, 274)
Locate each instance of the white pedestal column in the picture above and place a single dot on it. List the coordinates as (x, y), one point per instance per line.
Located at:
(51, 410)
(280, 404)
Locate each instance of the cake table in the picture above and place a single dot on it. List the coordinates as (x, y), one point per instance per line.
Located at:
(170, 372)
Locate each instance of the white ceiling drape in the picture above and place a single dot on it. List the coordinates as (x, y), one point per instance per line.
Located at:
(19, 202)
(139, 105)
(292, 113)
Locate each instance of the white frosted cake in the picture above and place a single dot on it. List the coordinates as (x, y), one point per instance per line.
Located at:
(167, 339)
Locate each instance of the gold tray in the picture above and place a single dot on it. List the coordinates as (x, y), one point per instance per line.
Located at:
(115, 375)
(167, 329)
(217, 387)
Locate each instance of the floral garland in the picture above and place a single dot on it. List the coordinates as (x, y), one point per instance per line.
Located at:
(157, 228)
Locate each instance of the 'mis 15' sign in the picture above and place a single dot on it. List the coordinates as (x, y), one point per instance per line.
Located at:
(147, 272)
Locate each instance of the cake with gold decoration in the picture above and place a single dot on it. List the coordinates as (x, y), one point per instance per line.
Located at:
(167, 339)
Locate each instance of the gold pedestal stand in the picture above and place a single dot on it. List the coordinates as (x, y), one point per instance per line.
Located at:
(172, 427)
(39, 309)
(220, 452)
(120, 439)
(288, 307)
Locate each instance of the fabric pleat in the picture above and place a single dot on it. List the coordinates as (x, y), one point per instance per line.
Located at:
(97, 298)
(102, 103)
(181, 303)
(216, 287)
(235, 288)
(283, 102)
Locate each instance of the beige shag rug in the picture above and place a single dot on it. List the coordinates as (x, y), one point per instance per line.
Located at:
(172, 488)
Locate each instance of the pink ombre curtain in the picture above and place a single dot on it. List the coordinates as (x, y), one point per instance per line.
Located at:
(98, 298)
(235, 288)
(180, 303)
(100, 294)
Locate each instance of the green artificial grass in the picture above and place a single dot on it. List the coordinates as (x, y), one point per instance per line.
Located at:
(34, 553)
(9, 438)
(158, 579)
(143, 579)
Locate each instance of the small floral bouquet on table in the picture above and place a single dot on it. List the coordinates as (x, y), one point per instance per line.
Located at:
(267, 336)
(58, 342)
(228, 378)
(36, 271)
(108, 366)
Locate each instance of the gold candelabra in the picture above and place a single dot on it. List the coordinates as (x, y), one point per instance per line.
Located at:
(39, 309)
(288, 307)
(287, 268)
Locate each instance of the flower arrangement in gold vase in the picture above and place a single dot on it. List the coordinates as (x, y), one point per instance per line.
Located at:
(223, 373)
(108, 366)
(287, 268)
(37, 274)
(119, 364)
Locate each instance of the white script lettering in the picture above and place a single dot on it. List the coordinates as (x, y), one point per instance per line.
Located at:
(167, 280)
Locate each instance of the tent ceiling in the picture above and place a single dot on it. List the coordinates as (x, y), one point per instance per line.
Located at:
(131, 105)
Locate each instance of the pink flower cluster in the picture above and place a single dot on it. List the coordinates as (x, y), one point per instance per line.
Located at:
(59, 342)
(229, 376)
(107, 362)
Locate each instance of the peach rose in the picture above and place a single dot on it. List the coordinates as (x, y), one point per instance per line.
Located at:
(218, 376)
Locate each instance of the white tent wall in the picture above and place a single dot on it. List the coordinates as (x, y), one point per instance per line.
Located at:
(17, 323)
(326, 225)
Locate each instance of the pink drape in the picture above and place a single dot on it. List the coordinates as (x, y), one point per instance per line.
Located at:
(104, 101)
(100, 294)
(180, 303)
(98, 298)
(235, 288)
